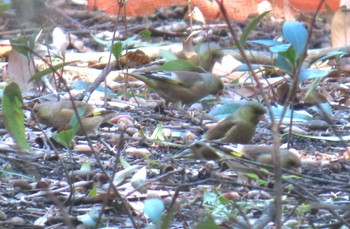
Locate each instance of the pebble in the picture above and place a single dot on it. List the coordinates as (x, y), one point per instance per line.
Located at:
(258, 194)
(317, 125)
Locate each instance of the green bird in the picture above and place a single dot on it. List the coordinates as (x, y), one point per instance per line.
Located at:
(59, 115)
(238, 127)
(241, 158)
(181, 87)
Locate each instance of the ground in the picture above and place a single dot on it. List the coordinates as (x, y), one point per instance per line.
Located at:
(55, 187)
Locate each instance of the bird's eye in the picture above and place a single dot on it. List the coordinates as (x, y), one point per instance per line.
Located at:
(35, 110)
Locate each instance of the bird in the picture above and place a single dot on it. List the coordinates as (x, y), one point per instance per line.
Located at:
(181, 87)
(60, 116)
(241, 158)
(238, 127)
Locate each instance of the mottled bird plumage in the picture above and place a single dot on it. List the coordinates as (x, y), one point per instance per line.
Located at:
(181, 87)
(238, 157)
(59, 115)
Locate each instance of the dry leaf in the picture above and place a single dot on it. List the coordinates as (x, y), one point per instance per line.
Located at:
(20, 71)
(134, 59)
(340, 30)
(188, 48)
(197, 15)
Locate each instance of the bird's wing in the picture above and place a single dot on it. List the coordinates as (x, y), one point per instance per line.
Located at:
(187, 80)
(67, 113)
(221, 129)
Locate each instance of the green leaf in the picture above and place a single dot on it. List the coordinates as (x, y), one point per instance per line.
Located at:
(289, 54)
(158, 133)
(124, 162)
(74, 123)
(303, 208)
(286, 57)
(251, 26)
(44, 72)
(296, 34)
(167, 55)
(12, 109)
(117, 49)
(252, 175)
(93, 192)
(21, 45)
(64, 137)
(145, 33)
(180, 65)
(312, 87)
(33, 39)
(86, 167)
(207, 223)
(24, 45)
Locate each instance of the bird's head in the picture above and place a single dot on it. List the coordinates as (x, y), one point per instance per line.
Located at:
(253, 111)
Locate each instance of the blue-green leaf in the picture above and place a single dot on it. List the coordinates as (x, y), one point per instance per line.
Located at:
(280, 48)
(331, 55)
(296, 34)
(225, 110)
(244, 67)
(267, 43)
(167, 55)
(283, 64)
(154, 208)
(298, 116)
(326, 107)
(310, 73)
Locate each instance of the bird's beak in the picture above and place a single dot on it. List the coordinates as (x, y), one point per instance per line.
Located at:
(219, 94)
(263, 118)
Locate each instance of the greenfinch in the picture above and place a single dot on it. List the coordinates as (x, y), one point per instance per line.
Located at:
(181, 87)
(232, 155)
(59, 115)
(238, 127)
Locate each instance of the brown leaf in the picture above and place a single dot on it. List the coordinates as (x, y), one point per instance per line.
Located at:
(340, 30)
(20, 71)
